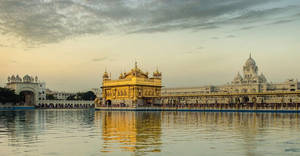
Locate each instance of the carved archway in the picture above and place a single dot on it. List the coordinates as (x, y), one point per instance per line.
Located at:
(27, 98)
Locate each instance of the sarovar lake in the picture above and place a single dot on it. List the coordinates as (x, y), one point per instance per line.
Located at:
(88, 132)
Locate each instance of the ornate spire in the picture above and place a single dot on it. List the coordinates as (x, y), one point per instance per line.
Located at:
(121, 76)
(135, 65)
(105, 75)
(157, 74)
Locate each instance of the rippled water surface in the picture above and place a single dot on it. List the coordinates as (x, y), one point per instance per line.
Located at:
(85, 132)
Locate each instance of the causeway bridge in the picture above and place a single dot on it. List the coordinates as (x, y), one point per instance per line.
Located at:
(264, 99)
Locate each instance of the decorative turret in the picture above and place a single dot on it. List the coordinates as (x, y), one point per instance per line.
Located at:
(121, 76)
(262, 78)
(157, 74)
(18, 79)
(105, 75)
(238, 79)
(13, 78)
(25, 79)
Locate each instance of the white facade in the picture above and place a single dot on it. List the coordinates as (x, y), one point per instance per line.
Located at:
(33, 89)
(62, 95)
(65, 104)
(250, 82)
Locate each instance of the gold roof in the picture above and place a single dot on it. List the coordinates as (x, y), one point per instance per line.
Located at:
(135, 72)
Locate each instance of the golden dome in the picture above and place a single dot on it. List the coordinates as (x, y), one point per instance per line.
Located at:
(157, 73)
(105, 75)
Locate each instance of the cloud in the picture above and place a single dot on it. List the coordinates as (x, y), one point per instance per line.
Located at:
(50, 21)
(200, 48)
(197, 50)
(13, 61)
(247, 27)
(230, 36)
(282, 21)
(99, 59)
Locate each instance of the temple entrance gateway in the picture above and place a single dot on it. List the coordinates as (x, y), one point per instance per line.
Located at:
(29, 88)
(27, 98)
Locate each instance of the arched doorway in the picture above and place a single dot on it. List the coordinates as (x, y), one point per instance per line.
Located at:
(245, 99)
(108, 103)
(27, 98)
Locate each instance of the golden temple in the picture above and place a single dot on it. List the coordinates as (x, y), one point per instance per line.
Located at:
(133, 89)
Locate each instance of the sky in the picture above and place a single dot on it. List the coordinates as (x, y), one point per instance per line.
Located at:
(69, 43)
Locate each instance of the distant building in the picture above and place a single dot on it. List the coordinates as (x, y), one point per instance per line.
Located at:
(29, 88)
(132, 89)
(250, 82)
(60, 95)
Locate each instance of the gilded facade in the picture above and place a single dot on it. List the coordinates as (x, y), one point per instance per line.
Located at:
(132, 89)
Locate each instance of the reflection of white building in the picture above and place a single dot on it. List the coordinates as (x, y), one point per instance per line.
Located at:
(250, 82)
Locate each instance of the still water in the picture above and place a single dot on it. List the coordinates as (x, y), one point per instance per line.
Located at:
(86, 132)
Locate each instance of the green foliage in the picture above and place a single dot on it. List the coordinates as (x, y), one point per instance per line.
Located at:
(86, 96)
(71, 97)
(8, 96)
(50, 97)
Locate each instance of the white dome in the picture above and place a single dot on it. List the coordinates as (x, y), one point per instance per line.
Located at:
(27, 78)
(250, 62)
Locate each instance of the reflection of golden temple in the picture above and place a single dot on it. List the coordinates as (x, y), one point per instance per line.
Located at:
(132, 89)
(135, 131)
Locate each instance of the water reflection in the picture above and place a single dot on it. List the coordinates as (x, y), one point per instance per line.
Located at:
(233, 133)
(83, 132)
(28, 131)
(137, 132)
(210, 133)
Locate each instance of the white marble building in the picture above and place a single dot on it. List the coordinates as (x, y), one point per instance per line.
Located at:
(30, 88)
(251, 81)
(33, 93)
(60, 95)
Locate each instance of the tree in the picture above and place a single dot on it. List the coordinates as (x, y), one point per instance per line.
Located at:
(8, 96)
(86, 96)
(50, 97)
(71, 97)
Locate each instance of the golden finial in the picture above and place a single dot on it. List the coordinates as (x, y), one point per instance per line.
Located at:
(135, 65)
